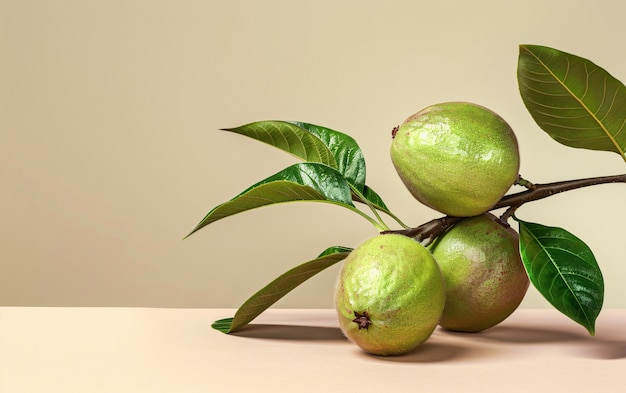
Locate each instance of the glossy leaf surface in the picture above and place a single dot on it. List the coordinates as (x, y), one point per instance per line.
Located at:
(288, 137)
(576, 102)
(345, 150)
(300, 182)
(564, 271)
(314, 143)
(279, 287)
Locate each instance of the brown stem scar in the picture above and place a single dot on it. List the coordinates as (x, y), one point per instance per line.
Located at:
(394, 131)
(362, 319)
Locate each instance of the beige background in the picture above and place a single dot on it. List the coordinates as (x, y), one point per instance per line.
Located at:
(110, 151)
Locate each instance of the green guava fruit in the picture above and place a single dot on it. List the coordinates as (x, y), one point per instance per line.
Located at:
(389, 295)
(458, 158)
(485, 278)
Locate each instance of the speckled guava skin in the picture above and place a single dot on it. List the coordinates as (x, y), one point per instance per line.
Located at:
(397, 284)
(458, 158)
(485, 278)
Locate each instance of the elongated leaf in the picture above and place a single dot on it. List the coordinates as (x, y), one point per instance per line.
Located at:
(576, 102)
(279, 287)
(345, 150)
(564, 270)
(314, 143)
(300, 182)
(290, 138)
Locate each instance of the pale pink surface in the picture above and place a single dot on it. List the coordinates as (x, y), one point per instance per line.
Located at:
(176, 350)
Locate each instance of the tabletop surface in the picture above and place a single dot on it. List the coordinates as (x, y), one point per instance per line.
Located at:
(303, 350)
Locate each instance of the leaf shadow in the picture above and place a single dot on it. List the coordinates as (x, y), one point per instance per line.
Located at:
(603, 350)
(291, 332)
(583, 344)
(521, 335)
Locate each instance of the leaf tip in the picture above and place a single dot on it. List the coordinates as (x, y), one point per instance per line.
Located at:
(191, 233)
(591, 328)
(223, 325)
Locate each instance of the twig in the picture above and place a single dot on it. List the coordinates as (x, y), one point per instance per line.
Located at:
(429, 231)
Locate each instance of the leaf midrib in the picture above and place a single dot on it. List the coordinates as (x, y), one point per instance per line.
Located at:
(581, 103)
(561, 275)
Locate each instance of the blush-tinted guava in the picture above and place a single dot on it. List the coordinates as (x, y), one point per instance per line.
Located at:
(389, 295)
(485, 277)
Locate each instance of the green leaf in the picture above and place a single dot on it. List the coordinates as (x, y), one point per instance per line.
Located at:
(300, 182)
(373, 198)
(350, 163)
(564, 270)
(290, 138)
(345, 150)
(576, 102)
(279, 287)
(314, 143)
(223, 325)
(335, 250)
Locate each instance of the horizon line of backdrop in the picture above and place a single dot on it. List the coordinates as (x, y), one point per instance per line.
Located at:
(110, 149)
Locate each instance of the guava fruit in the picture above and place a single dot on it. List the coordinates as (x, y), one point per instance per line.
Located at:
(485, 278)
(457, 157)
(389, 295)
